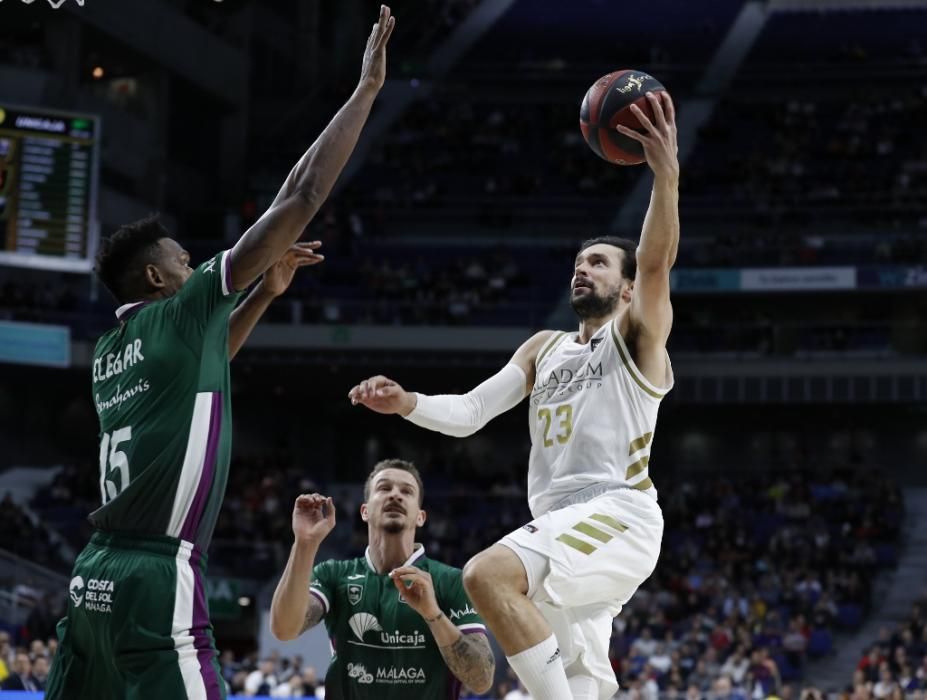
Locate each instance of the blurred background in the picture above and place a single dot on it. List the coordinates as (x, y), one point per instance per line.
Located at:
(791, 454)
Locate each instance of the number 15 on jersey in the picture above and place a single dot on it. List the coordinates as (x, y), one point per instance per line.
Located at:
(114, 464)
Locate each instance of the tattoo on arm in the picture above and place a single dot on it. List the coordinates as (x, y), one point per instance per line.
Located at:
(471, 660)
(314, 614)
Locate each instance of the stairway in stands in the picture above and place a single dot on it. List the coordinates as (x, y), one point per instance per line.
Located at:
(894, 596)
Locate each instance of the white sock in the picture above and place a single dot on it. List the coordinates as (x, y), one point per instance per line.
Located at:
(540, 669)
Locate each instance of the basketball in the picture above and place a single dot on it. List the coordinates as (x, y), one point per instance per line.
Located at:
(608, 103)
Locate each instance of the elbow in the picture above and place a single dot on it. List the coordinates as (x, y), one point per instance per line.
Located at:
(280, 631)
(311, 196)
(483, 684)
(486, 685)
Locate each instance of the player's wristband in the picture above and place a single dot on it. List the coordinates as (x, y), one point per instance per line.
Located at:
(437, 617)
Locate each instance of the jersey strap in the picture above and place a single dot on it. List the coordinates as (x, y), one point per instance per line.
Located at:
(632, 369)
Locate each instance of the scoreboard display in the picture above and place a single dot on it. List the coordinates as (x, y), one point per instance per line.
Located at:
(49, 172)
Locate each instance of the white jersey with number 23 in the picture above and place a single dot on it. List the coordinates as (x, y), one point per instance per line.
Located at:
(592, 418)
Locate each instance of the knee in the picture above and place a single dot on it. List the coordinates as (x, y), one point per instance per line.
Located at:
(475, 577)
(493, 573)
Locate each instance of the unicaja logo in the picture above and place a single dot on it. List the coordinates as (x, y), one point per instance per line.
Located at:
(54, 3)
(77, 590)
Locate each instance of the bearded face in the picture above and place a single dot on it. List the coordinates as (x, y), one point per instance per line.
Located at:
(598, 283)
(588, 302)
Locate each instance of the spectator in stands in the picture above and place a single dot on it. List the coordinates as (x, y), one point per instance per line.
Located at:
(40, 668)
(293, 687)
(736, 665)
(262, 680)
(645, 645)
(764, 673)
(886, 684)
(311, 681)
(21, 676)
(794, 643)
(724, 689)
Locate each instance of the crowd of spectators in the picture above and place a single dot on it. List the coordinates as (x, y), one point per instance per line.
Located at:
(813, 161)
(25, 666)
(895, 665)
(756, 574)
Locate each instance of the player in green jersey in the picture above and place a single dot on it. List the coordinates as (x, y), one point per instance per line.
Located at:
(400, 624)
(137, 624)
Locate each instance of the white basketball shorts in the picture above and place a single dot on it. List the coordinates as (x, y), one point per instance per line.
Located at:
(584, 562)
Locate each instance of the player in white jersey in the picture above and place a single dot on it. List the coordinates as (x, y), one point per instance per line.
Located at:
(549, 590)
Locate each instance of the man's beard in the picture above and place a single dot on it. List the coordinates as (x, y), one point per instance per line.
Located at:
(393, 527)
(592, 305)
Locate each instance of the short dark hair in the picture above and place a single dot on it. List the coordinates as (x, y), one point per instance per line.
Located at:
(123, 256)
(395, 464)
(629, 264)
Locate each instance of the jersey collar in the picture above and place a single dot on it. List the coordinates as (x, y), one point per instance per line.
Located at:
(126, 310)
(418, 552)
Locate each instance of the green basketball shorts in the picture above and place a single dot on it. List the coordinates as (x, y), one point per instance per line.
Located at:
(137, 626)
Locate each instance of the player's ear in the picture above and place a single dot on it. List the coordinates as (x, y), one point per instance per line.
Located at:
(421, 518)
(364, 513)
(153, 277)
(627, 292)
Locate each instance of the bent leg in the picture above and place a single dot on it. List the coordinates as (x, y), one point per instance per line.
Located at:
(497, 582)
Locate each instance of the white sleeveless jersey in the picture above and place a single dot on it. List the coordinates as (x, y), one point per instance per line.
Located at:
(592, 418)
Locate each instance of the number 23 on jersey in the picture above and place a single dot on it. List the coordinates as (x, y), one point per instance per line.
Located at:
(561, 420)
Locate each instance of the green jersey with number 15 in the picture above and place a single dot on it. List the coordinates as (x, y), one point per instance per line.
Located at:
(161, 390)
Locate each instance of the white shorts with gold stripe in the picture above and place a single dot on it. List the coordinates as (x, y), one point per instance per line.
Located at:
(584, 562)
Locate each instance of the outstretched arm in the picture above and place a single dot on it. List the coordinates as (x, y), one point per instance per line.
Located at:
(312, 178)
(273, 284)
(651, 314)
(293, 609)
(458, 415)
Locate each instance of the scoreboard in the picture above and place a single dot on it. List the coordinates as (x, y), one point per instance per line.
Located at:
(49, 173)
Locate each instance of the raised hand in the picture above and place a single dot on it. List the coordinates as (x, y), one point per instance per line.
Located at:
(383, 395)
(278, 276)
(373, 69)
(418, 590)
(311, 522)
(659, 141)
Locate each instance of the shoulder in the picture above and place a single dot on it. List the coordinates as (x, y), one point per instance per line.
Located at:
(545, 341)
(530, 351)
(541, 338)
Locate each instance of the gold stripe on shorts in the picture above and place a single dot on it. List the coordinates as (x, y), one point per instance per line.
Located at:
(576, 543)
(610, 521)
(593, 532)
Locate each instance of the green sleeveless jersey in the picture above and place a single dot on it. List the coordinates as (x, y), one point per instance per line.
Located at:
(381, 648)
(161, 390)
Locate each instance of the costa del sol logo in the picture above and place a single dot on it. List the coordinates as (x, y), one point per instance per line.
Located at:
(77, 590)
